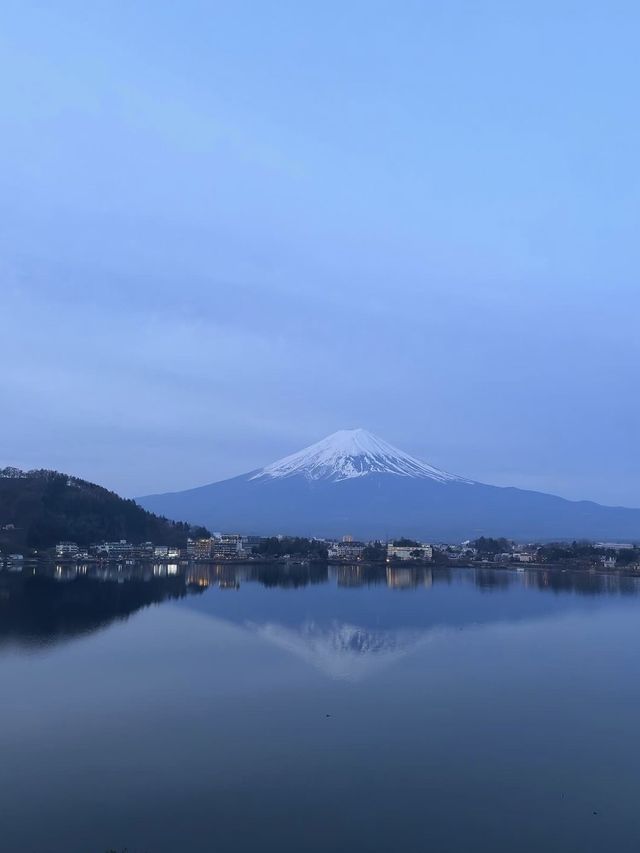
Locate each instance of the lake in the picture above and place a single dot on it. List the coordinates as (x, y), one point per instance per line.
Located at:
(311, 709)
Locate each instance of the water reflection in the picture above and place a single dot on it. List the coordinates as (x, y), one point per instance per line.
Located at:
(59, 603)
(449, 710)
(340, 634)
(396, 611)
(342, 650)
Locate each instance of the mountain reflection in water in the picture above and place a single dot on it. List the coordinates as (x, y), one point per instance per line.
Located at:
(331, 630)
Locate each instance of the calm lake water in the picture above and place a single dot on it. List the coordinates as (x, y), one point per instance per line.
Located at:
(318, 710)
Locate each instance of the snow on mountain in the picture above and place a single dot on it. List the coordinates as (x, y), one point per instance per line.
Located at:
(352, 453)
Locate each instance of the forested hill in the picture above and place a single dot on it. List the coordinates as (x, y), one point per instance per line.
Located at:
(40, 508)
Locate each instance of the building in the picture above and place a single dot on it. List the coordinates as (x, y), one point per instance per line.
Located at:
(421, 551)
(117, 550)
(66, 549)
(228, 546)
(523, 557)
(346, 550)
(202, 549)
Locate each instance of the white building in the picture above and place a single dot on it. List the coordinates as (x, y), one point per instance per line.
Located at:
(422, 551)
(345, 550)
(523, 557)
(228, 546)
(66, 549)
(117, 549)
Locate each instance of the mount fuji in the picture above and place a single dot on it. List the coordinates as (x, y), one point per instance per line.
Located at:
(353, 482)
(351, 453)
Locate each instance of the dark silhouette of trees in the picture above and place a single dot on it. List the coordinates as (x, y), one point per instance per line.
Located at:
(376, 552)
(489, 547)
(40, 508)
(292, 546)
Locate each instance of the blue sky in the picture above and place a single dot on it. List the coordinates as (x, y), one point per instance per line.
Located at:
(229, 229)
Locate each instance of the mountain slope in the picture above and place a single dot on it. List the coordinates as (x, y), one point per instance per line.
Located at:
(40, 508)
(353, 482)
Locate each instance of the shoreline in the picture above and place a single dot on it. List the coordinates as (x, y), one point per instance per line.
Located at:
(301, 563)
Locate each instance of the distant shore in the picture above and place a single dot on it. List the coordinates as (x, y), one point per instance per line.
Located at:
(280, 562)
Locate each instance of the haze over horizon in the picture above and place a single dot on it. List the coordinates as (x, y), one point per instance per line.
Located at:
(226, 233)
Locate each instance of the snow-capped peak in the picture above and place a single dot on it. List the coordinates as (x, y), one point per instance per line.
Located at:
(351, 453)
